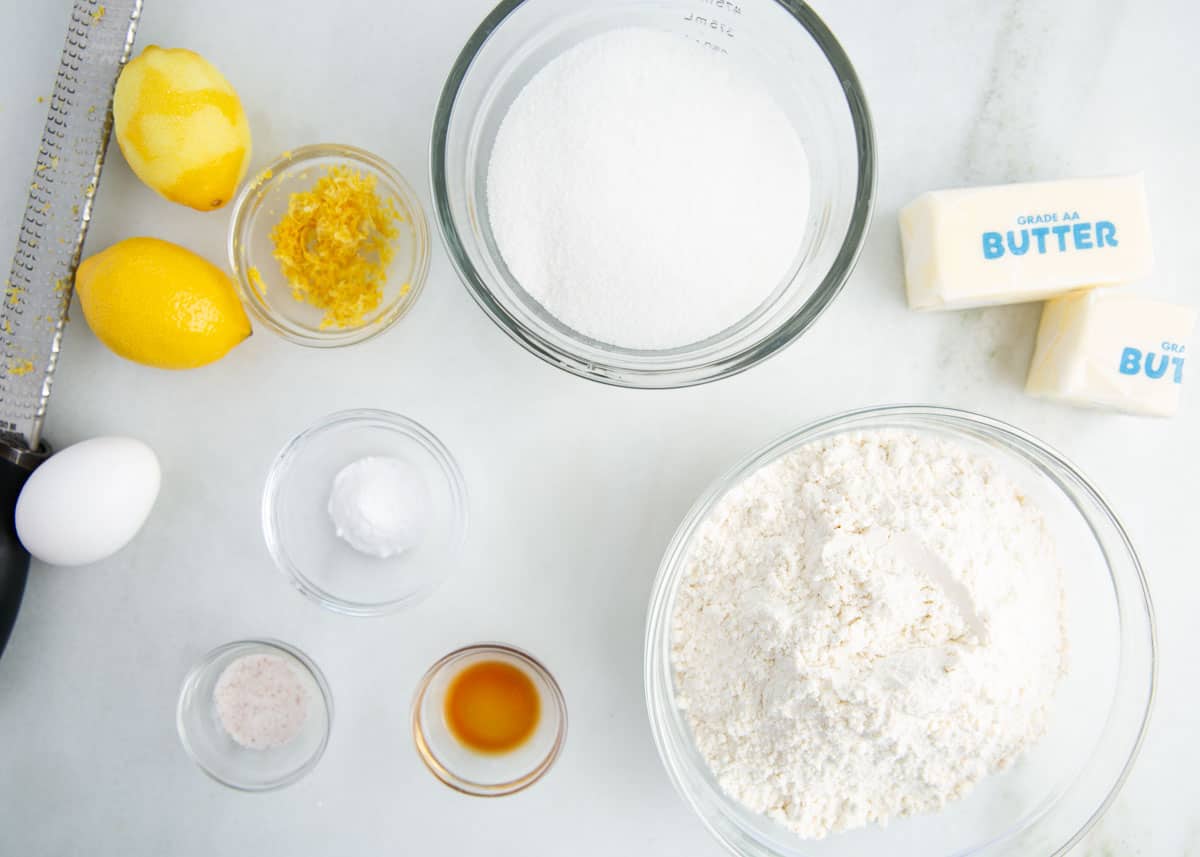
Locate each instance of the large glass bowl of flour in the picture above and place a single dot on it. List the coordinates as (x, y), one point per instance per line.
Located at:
(672, 232)
(1046, 800)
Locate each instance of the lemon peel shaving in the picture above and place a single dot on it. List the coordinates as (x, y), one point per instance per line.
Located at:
(256, 281)
(334, 245)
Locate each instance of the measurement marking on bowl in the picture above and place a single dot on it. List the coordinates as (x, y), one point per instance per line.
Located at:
(710, 46)
(709, 24)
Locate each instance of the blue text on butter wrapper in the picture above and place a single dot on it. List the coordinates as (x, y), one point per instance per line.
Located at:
(1154, 366)
(1062, 237)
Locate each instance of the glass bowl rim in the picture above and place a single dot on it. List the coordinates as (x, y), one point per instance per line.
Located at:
(201, 666)
(613, 372)
(460, 784)
(1012, 439)
(280, 465)
(239, 256)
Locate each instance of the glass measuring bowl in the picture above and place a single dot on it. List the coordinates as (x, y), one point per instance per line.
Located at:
(781, 43)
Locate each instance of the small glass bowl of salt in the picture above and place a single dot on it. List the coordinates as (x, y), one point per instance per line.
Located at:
(255, 715)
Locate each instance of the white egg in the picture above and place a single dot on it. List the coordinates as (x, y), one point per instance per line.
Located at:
(88, 501)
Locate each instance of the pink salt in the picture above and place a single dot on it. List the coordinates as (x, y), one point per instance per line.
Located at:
(261, 701)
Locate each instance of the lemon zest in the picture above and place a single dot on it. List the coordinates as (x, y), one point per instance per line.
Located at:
(256, 281)
(334, 245)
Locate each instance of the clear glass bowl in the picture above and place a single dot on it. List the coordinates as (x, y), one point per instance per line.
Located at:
(300, 534)
(263, 200)
(1045, 802)
(479, 774)
(783, 43)
(222, 758)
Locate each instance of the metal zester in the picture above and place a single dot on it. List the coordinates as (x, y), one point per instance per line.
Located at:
(38, 291)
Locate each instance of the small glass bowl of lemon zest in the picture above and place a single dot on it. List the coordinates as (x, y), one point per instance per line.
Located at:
(347, 258)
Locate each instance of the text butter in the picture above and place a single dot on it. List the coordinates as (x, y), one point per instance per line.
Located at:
(1023, 242)
(1111, 350)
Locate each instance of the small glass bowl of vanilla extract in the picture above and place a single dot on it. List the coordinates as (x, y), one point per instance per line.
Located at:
(489, 720)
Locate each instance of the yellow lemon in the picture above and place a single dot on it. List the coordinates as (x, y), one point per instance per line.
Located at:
(181, 127)
(156, 303)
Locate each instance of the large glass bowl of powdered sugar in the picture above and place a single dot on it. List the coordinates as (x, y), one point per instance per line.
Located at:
(906, 630)
(653, 193)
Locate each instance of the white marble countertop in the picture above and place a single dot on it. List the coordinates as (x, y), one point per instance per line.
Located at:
(575, 487)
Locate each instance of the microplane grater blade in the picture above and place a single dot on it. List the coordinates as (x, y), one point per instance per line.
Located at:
(38, 290)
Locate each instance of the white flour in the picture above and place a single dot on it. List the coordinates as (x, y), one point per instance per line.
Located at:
(866, 628)
(646, 192)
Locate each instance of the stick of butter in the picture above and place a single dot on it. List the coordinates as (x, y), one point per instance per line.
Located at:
(1014, 243)
(1112, 350)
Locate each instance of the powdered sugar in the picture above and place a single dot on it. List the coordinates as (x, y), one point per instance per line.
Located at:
(866, 628)
(647, 192)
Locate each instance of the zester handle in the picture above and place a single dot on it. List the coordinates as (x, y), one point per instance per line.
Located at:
(15, 467)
